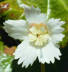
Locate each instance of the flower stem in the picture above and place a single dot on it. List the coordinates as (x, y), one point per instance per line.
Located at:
(48, 9)
(42, 67)
(19, 2)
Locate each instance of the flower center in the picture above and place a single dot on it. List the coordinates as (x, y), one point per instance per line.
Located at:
(38, 35)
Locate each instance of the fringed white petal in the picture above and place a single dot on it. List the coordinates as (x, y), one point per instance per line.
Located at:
(55, 22)
(26, 53)
(57, 37)
(54, 26)
(16, 28)
(49, 53)
(34, 15)
(57, 30)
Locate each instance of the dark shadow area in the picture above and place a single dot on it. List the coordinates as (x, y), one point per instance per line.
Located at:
(18, 68)
(1, 0)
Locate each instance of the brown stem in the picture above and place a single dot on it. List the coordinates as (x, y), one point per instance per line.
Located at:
(42, 67)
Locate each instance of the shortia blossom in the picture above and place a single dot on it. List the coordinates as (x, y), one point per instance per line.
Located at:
(40, 37)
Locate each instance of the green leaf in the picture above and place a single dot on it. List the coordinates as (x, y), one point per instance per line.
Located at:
(5, 63)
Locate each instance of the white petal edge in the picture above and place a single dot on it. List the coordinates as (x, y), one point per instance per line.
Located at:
(49, 53)
(56, 38)
(55, 26)
(17, 29)
(34, 15)
(26, 54)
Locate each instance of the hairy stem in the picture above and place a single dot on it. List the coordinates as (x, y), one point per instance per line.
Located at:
(19, 2)
(48, 9)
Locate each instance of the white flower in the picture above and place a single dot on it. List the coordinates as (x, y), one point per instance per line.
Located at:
(39, 34)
